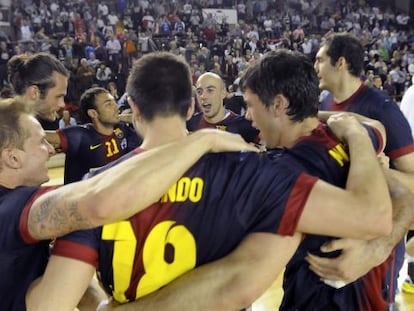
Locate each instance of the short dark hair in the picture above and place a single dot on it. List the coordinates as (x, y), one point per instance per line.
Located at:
(347, 46)
(160, 85)
(37, 69)
(88, 101)
(288, 73)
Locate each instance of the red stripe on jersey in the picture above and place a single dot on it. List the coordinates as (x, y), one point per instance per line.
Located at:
(77, 251)
(24, 217)
(401, 152)
(373, 284)
(343, 106)
(295, 204)
(63, 140)
(381, 145)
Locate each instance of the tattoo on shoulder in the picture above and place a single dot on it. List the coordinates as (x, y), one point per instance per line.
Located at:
(57, 216)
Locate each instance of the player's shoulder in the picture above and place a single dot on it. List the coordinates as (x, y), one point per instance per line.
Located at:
(376, 97)
(79, 130)
(13, 200)
(194, 121)
(96, 171)
(244, 161)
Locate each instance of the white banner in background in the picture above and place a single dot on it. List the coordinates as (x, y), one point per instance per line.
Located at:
(218, 14)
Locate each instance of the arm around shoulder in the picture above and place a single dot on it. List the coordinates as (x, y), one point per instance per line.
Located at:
(363, 210)
(107, 197)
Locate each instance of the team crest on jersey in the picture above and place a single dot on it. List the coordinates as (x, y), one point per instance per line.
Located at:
(118, 132)
(221, 127)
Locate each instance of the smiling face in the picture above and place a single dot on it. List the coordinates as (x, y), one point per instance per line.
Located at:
(210, 95)
(36, 152)
(48, 106)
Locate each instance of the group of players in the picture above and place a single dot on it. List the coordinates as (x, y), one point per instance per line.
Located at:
(167, 227)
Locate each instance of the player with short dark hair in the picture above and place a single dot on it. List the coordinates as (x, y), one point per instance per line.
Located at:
(102, 139)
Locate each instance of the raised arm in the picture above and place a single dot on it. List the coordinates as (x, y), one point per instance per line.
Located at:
(363, 209)
(125, 189)
(404, 164)
(324, 115)
(125, 117)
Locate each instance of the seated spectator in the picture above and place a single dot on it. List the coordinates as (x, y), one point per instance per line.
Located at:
(113, 90)
(103, 74)
(66, 120)
(84, 75)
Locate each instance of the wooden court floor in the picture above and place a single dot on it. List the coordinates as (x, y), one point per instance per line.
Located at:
(272, 298)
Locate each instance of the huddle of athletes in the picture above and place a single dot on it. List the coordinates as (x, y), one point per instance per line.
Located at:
(171, 221)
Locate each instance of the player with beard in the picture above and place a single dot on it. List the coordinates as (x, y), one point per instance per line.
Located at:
(102, 139)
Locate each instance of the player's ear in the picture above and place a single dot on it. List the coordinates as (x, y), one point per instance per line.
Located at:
(33, 92)
(190, 110)
(136, 112)
(92, 113)
(11, 157)
(279, 105)
(341, 62)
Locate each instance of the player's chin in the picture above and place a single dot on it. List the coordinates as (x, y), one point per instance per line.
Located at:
(49, 116)
(321, 84)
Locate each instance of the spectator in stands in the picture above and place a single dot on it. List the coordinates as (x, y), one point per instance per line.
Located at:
(66, 120)
(85, 76)
(103, 74)
(113, 46)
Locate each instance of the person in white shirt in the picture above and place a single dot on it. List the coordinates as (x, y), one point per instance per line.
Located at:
(66, 120)
(113, 47)
(407, 105)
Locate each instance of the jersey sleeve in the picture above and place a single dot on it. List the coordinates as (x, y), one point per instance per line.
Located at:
(376, 138)
(283, 214)
(80, 245)
(282, 193)
(399, 137)
(70, 139)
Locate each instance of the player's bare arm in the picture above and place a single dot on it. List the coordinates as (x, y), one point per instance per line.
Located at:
(363, 209)
(212, 286)
(358, 257)
(112, 195)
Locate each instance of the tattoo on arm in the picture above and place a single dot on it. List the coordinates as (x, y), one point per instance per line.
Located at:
(57, 216)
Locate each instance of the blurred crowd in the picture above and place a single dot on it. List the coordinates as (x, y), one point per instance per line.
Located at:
(98, 41)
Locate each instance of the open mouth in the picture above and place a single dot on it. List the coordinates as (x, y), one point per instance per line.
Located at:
(206, 107)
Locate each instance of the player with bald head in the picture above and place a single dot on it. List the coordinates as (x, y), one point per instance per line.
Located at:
(210, 92)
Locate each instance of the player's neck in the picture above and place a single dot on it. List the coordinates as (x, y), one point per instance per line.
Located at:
(297, 130)
(346, 89)
(162, 131)
(9, 179)
(104, 129)
(220, 116)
